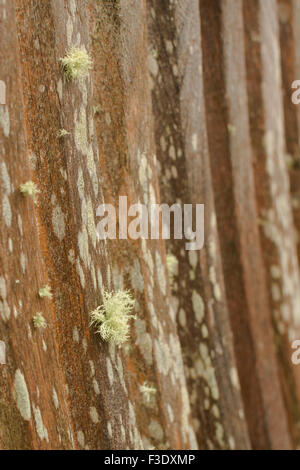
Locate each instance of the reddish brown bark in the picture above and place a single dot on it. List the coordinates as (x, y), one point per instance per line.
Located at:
(186, 102)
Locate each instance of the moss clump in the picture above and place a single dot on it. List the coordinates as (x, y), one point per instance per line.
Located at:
(111, 319)
(76, 64)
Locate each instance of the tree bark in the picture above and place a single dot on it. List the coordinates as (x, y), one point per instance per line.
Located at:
(186, 102)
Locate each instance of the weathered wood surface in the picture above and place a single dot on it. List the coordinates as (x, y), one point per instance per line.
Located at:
(182, 151)
(272, 192)
(187, 102)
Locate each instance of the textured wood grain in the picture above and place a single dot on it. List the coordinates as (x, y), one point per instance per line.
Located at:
(198, 291)
(125, 136)
(187, 102)
(272, 192)
(288, 15)
(233, 180)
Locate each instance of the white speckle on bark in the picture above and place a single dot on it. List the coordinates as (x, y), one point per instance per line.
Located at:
(22, 395)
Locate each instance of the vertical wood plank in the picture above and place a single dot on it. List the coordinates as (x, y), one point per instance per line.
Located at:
(233, 180)
(125, 137)
(175, 65)
(272, 190)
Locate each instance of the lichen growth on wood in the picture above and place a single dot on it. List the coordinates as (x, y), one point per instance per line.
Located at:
(63, 133)
(45, 292)
(39, 321)
(148, 391)
(76, 64)
(172, 267)
(111, 319)
(29, 189)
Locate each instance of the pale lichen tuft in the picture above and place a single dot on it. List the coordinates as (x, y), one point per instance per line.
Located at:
(111, 319)
(172, 266)
(29, 189)
(76, 64)
(63, 133)
(39, 321)
(148, 391)
(45, 292)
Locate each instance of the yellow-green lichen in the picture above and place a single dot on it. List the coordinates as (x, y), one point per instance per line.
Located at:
(45, 292)
(172, 267)
(76, 64)
(111, 319)
(29, 189)
(39, 321)
(63, 133)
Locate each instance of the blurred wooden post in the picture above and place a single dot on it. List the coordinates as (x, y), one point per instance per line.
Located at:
(225, 92)
(272, 191)
(289, 17)
(175, 64)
